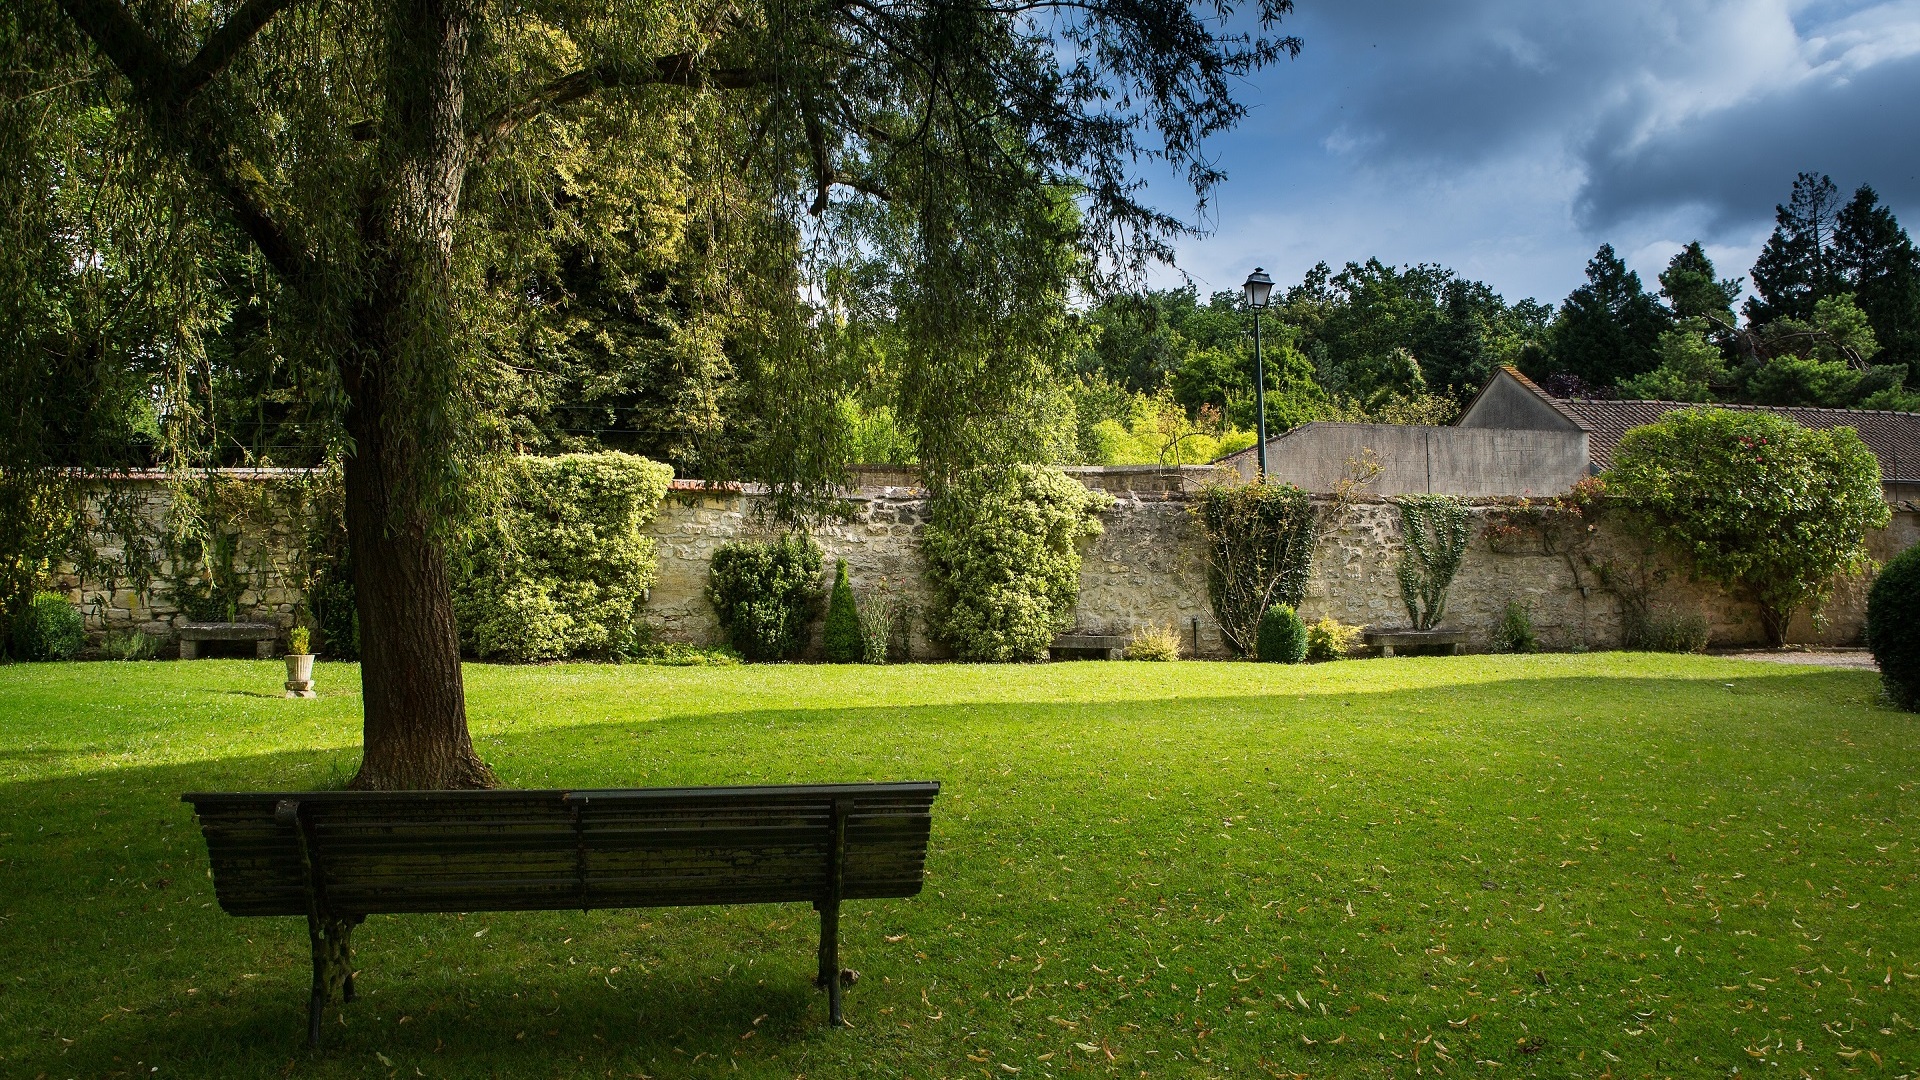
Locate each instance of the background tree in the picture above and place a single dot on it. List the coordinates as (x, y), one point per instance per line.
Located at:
(1882, 269)
(1798, 266)
(1693, 289)
(392, 167)
(1607, 330)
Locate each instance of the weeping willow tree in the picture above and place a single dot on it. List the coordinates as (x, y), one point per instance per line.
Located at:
(401, 171)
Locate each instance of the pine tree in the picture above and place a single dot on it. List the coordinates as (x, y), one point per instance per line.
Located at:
(1692, 290)
(844, 641)
(1798, 268)
(1881, 265)
(1609, 328)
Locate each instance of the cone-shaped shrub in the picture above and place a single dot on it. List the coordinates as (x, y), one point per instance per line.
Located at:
(1893, 627)
(845, 643)
(1283, 637)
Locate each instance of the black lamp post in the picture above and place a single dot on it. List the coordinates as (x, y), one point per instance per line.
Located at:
(1258, 288)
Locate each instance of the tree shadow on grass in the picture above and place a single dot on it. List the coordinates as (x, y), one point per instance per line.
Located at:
(123, 959)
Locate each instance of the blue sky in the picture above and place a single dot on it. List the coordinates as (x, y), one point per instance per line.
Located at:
(1508, 138)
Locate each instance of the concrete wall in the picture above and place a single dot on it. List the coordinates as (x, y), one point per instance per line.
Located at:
(1437, 460)
(1147, 568)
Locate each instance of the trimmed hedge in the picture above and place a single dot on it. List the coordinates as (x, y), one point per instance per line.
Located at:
(1283, 636)
(560, 568)
(766, 594)
(845, 643)
(1002, 553)
(1893, 627)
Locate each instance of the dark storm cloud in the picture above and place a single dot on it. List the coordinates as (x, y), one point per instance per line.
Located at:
(1735, 163)
(1661, 104)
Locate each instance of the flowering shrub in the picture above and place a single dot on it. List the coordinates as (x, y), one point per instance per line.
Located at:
(560, 567)
(1759, 504)
(1002, 553)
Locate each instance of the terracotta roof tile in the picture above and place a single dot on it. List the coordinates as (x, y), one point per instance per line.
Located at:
(1894, 437)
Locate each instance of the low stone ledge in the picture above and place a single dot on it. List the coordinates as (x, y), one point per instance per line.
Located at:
(1388, 641)
(263, 635)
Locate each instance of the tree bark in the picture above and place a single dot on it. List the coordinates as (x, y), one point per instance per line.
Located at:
(405, 363)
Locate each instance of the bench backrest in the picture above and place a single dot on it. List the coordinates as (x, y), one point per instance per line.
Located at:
(366, 853)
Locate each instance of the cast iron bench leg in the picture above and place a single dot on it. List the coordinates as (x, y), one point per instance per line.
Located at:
(829, 977)
(332, 941)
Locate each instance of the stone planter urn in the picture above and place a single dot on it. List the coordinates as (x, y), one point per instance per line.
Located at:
(300, 675)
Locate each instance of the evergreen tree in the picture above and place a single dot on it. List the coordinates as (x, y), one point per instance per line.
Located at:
(1609, 329)
(1883, 270)
(1692, 290)
(844, 641)
(1799, 267)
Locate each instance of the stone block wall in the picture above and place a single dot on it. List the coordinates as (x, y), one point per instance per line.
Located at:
(1148, 567)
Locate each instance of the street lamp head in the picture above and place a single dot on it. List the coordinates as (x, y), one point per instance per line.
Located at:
(1258, 287)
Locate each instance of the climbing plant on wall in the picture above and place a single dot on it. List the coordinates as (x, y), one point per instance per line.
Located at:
(1437, 529)
(1260, 541)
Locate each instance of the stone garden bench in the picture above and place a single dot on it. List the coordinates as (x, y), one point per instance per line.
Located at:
(338, 856)
(1079, 646)
(1387, 641)
(263, 635)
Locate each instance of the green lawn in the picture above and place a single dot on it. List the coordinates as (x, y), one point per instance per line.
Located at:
(1567, 865)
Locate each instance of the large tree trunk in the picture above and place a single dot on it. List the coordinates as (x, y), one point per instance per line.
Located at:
(404, 368)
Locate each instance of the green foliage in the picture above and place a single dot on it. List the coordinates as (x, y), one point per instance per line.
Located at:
(560, 567)
(880, 612)
(1260, 541)
(1515, 633)
(1156, 641)
(1608, 328)
(298, 640)
(1437, 529)
(1758, 504)
(766, 593)
(1331, 639)
(130, 645)
(1893, 627)
(42, 522)
(680, 654)
(1282, 636)
(1694, 289)
(48, 628)
(1655, 629)
(843, 636)
(1689, 368)
(1002, 552)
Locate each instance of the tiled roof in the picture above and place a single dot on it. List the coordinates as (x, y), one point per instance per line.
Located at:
(1894, 437)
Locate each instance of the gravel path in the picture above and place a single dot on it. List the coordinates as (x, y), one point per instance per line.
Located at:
(1843, 658)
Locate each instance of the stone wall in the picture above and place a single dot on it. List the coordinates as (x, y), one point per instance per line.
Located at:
(1148, 567)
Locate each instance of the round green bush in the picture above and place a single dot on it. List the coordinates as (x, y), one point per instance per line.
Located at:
(1283, 636)
(845, 644)
(49, 629)
(1893, 627)
(766, 594)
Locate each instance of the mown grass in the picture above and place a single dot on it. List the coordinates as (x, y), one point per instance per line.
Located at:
(1591, 865)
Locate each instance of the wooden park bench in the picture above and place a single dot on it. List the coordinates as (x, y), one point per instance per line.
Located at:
(338, 856)
(263, 635)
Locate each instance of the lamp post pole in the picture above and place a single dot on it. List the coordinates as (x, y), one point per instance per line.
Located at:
(1258, 288)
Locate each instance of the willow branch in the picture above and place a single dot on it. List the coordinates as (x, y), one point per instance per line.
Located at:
(168, 92)
(678, 69)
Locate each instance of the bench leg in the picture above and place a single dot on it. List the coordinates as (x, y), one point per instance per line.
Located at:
(829, 976)
(263, 649)
(332, 941)
(189, 649)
